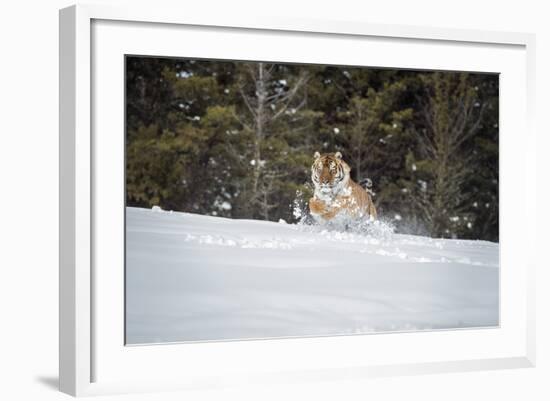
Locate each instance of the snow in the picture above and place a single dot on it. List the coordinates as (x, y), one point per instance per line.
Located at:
(191, 277)
(222, 205)
(423, 185)
(184, 74)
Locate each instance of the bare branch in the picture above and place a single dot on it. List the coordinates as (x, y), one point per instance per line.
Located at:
(303, 78)
(240, 121)
(247, 102)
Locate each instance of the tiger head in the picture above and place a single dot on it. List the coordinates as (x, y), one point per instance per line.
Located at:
(329, 173)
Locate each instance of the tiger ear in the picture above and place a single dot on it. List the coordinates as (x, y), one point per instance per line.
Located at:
(316, 155)
(338, 155)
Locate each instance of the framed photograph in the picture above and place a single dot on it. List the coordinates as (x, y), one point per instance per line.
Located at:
(273, 200)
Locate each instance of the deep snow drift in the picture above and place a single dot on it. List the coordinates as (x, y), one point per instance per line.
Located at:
(191, 278)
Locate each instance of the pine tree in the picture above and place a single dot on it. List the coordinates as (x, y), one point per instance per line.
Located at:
(267, 99)
(451, 114)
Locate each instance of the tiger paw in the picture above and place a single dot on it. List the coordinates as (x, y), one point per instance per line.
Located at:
(317, 206)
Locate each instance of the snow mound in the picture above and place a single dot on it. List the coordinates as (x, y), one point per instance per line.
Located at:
(197, 278)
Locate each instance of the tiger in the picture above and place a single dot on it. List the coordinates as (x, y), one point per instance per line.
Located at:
(336, 196)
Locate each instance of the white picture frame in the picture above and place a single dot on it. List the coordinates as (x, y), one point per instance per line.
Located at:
(89, 342)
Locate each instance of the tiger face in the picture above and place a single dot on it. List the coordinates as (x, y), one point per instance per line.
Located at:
(329, 172)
